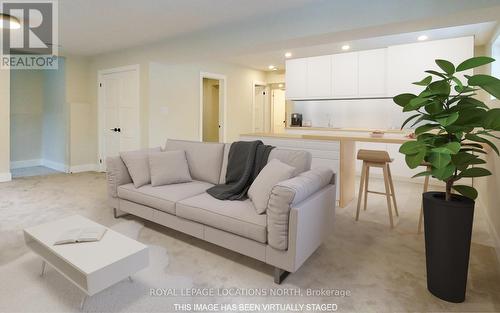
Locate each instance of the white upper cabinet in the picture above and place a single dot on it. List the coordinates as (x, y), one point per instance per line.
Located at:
(372, 73)
(345, 75)
(319, 77)
(372, 80)
(296, 79)
(407, 63)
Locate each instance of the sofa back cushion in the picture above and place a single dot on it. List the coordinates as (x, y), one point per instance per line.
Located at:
(169, 167)
(299, 159)
(137, 163)
(204, 158)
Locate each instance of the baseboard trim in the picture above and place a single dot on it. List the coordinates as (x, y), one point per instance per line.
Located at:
(84, 168)
(25, 163)
(5, 177)
(55, 166)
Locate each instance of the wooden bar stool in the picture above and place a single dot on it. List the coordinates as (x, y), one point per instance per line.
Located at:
(376, 158)
(426, 187)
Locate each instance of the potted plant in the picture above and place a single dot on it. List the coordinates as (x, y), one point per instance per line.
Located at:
(454, 129)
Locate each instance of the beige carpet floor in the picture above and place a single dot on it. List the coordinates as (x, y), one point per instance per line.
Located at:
(383, 269)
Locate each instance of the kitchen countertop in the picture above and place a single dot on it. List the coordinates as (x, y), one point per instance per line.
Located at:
(339, 135)
(348, 129)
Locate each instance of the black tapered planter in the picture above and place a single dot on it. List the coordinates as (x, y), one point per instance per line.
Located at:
(448, 229)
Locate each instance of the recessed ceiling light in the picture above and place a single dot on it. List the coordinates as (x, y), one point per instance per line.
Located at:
(271, 67)
(422, 38)
(9, 21)
(346, 47)
(288, 55)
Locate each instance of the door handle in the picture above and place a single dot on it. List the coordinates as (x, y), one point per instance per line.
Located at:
(119, 130)
(114, 129)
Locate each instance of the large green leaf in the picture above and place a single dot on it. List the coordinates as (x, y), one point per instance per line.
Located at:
(434, 107)
(424, 82)
(474, 62)
(446, 66)
(411, 147)
(440, 87)
(443, 173)
(475, 172)
(470, 102)
(415, 103)
(449, 148)
(463, 159)
(415, 160)
(436, 73)
(439, 160)
(491, 119)
(489, 83)
(448, 120)
(424, 128)
(403, 99)
(425, 173)
(466, 191)
(476, 138)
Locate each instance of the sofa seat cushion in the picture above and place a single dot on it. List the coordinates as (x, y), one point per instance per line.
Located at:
(237, 217)
(164, 197)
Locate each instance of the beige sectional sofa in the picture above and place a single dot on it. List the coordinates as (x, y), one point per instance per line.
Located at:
(299, 215)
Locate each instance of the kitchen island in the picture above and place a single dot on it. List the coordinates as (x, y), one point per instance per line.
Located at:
(334, 148)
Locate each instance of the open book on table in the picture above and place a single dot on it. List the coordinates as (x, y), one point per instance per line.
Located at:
(76, 235)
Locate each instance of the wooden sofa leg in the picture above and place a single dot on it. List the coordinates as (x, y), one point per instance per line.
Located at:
(279, 275)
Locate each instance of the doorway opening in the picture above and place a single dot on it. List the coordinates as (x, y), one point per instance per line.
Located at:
(119, 124)
(212, 104)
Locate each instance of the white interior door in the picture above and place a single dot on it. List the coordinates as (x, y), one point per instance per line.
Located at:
(279, 112)
(120, 129)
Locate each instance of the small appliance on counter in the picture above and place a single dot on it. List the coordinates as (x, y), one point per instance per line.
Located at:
(296, 120)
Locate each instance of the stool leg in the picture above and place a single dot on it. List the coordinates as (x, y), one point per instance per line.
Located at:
(391, 183)
(388, 194)
(421, 217)
(367, 179)
(360, 194)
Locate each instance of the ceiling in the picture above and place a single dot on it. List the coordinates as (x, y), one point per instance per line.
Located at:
(90, 27)
(256, 33)
(482, 32)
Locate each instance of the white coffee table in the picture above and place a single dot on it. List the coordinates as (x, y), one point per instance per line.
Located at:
(91, 266)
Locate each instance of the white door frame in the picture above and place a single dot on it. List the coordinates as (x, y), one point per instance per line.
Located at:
(222, 103)
(254, 84)
(101, 111)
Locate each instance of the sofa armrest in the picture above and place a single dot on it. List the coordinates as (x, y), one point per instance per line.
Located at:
(116, 175)
(288, 194)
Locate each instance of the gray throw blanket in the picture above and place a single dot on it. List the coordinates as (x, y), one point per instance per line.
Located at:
(245, 161)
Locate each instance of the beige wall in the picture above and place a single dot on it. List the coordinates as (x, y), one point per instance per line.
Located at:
(170, 93)
(82, 115)
(26, 106)
(176, 88)
(4, 125)
(489, 187)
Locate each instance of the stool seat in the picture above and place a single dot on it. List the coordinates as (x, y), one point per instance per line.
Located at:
(381, 159)
(375, 156)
